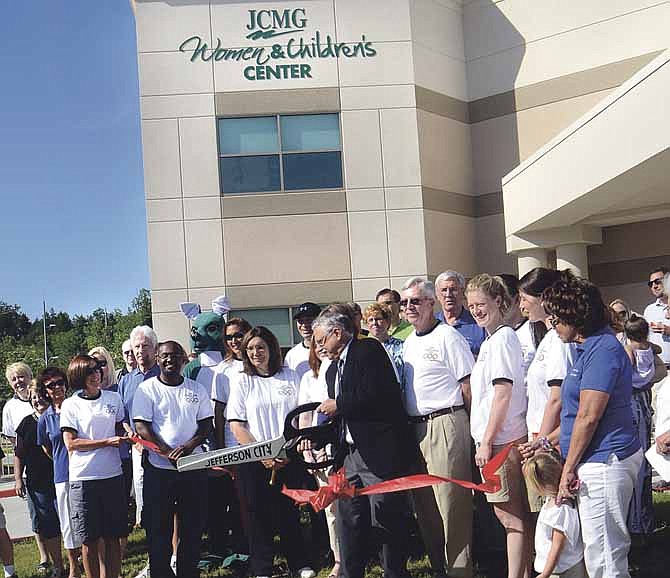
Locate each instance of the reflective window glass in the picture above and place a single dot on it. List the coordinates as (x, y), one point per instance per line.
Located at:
(253, 174)
(312, 171)
(276, 320)
(310, 132)
(248, 135)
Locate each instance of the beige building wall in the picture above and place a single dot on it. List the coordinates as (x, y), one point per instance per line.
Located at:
(460, 93)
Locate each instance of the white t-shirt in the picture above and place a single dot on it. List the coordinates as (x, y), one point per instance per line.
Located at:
(12, 415)
(565, 519)
(434, 365)
(551, 362)
(297, 359)
(314, 389)
(499, 358)
(227, 374)
(173, 411)
(264, 402)
(93, 419)
(525, 335)
(656, 312)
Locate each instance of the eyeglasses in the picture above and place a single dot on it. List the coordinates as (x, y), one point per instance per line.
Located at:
(55, 384)
(129, 352)
(414, 301)
(321, 342)
(554, 321)
(655, 282)
(238, 335)
(100, 362)
(173, 355)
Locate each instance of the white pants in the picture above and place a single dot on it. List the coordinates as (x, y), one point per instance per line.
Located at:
(138, 482)
(604, 499)
(70, 541)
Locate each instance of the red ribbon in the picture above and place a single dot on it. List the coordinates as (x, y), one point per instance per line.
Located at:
(147, 444)
(339, 487)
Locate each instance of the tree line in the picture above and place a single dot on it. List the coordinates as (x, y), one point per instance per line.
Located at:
(22, 339)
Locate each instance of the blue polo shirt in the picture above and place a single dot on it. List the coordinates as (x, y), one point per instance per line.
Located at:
(601, 364)
(127, 388)
(468, 328)
(50, 435)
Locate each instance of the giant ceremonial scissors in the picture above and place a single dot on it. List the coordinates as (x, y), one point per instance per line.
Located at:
(283, 446)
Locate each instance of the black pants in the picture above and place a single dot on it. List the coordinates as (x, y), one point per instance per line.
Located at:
(269, 510)
(185, 494)
(225, 532)
(367, 522)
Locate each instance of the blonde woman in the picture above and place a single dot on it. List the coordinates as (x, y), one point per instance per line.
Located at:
(104, 358)
(499, 394)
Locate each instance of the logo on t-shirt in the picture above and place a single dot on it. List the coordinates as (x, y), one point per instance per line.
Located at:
(109, 408)
(286, 389)
(191, 397)
(431, 354)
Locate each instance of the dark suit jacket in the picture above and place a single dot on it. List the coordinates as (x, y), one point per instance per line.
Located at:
(370, 402)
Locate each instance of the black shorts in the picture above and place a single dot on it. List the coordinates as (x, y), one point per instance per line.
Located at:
(98, 509)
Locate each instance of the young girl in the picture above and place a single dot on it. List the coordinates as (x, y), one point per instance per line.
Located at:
(641, 354)
(558, 543)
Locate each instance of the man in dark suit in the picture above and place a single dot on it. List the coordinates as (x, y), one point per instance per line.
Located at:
(375, 444)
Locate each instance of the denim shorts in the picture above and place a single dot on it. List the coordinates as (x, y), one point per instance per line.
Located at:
(98, 509)
(43, 513)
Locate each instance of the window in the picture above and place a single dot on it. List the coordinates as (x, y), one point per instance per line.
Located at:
(279, 321)
(280, 153)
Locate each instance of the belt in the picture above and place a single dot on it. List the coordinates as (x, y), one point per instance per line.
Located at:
(434, 414)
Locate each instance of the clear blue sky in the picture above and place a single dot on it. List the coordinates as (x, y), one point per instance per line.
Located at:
(73, 219)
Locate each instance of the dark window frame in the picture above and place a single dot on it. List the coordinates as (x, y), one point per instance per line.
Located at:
(280, 153)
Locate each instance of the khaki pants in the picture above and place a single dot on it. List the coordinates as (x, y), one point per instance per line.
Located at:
(577, 571)
(444, 511)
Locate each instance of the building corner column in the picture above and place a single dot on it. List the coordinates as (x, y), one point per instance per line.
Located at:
(573, 257)
(529, 259)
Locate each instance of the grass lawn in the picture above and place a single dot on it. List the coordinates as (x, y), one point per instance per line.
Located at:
(652, 561)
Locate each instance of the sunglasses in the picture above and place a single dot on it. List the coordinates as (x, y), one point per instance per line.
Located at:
(655, 282)
(55, 384)
(414, 301)
(128, 352)
(237, 335)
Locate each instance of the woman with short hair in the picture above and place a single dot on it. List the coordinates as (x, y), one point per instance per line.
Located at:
(597, 437)
(257, 408)
(499, 396)
(377, 317)
(53, 382)
(91, 423)
(38, 488)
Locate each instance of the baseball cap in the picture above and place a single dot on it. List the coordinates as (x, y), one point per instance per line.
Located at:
(306, 310)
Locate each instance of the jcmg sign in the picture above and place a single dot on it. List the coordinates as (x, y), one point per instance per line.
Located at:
(271, 23)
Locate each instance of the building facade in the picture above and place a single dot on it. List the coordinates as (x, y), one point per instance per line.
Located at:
(324, 149)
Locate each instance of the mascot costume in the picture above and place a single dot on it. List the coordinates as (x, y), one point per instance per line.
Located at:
(207, 339)
(225, 532)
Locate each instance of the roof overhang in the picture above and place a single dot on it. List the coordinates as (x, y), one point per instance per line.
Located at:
(611, 166)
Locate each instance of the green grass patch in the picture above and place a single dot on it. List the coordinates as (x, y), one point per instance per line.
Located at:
(650, 560)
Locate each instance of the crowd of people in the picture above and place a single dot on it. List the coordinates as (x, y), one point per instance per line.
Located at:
(438, 378)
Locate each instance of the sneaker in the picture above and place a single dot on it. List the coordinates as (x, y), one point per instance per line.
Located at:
(173, 564)
(306, 572)
(43, 569)
(144, 573)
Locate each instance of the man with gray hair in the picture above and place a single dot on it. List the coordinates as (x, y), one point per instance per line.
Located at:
(144, 343)
(437, 369)
(450, 291)
(129, 362)
(374, 444)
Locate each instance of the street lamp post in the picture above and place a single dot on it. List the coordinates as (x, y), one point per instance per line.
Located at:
(44, 330)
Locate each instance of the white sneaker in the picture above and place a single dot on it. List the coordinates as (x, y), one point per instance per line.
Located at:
(144, 573)
(306, 572)
(173, 564)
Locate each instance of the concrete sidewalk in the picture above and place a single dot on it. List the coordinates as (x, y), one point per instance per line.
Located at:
(16, 512)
